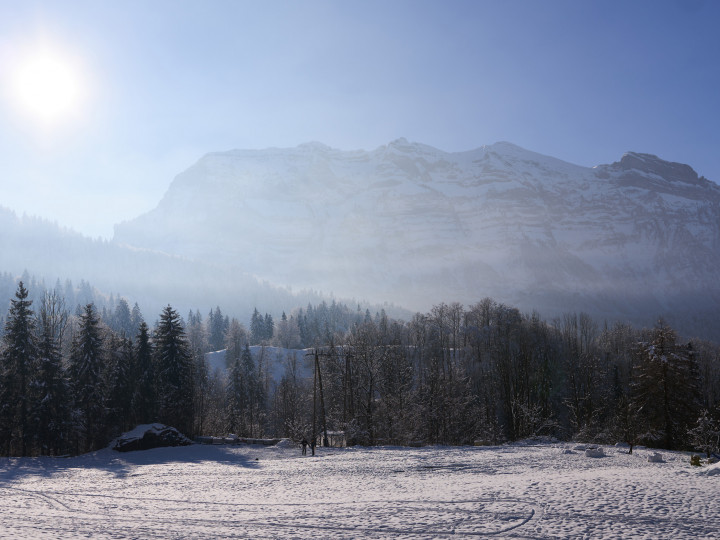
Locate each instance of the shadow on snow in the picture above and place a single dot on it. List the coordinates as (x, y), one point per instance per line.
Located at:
(120, 464)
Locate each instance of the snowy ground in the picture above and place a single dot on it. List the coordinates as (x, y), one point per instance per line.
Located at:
(545, 491)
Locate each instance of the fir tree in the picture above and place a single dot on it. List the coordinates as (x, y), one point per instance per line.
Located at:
(269, 327)
(144, 402)
(135, 319)
(18, 364)
(122, 319)
(175, 372)
(217, 327)
(257, 327)
(86, 377)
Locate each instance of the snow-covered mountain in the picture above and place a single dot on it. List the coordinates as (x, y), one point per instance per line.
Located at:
(414, 225)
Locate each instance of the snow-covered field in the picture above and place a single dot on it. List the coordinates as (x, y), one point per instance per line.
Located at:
(518, 491)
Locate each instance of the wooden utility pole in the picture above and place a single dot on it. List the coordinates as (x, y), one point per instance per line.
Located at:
(314, 430)
(322, 400)
(317, 381)
(348, 405)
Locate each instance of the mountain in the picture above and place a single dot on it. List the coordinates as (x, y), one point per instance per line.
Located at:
(151, 278)
(414, 225)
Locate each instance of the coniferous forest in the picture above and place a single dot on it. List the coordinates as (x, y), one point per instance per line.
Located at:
(73, 377)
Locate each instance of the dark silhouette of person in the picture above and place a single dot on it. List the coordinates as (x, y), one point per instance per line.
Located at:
(312, 445)
(304, 446)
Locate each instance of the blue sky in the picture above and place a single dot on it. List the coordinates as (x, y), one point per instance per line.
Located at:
(164, 82)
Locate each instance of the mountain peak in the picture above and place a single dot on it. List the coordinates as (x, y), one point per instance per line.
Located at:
(402, 141)
(506, 147)
(315, 146)
(650, 163)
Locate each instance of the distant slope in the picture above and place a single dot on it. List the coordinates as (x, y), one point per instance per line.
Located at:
(410, 224)
(152, 279)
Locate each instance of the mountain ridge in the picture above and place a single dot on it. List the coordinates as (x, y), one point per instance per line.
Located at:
(415, 225)
(153, 279)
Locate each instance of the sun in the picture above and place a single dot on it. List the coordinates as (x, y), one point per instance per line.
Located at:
(47, 86)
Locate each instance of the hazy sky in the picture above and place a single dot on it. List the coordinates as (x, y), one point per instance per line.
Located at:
(145, 88)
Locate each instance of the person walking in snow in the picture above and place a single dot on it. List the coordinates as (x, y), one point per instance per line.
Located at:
(304, 446)
(312, 445)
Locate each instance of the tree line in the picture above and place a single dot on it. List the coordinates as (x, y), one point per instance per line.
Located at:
(60, 396)
(70, 382)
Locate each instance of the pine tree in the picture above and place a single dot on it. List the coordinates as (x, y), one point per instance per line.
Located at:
(144, 402)
(135, 319)
(217, 327)
(269, 327)
(122, 319)
(17, 366)
(175, 373)
(86, 379)
(257, 327)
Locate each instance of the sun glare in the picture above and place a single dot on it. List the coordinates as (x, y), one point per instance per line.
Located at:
(47, 87)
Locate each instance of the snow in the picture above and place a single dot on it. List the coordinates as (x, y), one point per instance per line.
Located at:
(517, 491)
(711, 470)
(411, 225)
(139, 431)
(274, 360)
(216, 361)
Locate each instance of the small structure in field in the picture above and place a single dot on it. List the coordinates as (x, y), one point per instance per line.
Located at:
(336, 439)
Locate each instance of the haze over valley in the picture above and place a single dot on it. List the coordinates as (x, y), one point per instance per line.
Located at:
(416, 226)
(169, 159)
(412, 226)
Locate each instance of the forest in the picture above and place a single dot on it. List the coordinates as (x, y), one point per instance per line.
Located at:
(74, 376)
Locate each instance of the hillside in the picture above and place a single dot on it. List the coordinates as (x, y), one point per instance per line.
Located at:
(151, 278)
(413, 225)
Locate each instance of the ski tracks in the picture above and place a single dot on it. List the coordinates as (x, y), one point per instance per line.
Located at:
(119, 516)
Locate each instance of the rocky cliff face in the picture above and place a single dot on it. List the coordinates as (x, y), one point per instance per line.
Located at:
(411, 224)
